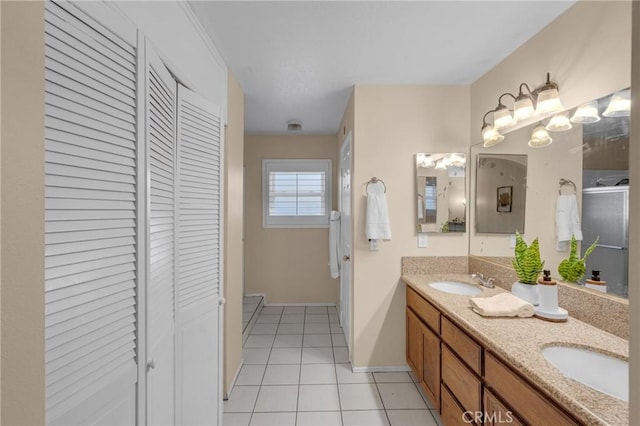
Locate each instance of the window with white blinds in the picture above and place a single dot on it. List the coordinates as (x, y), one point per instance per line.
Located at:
(296, 193)
(90, 216)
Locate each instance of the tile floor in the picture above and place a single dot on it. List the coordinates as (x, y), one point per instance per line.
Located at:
(296, 372)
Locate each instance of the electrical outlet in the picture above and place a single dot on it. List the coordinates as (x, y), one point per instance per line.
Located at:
(423, 240)
(512, 241)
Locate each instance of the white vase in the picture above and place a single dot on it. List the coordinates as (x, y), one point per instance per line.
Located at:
(527, 292)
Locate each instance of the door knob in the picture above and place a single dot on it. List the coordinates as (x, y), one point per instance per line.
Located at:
(151, 364)
(346, 258)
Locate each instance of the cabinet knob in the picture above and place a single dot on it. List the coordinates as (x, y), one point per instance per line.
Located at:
(151, 364)
(346, 258)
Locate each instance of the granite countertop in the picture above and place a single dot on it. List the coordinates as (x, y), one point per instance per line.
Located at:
(519, 341)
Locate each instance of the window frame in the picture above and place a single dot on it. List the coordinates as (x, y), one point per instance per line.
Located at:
(296, 165)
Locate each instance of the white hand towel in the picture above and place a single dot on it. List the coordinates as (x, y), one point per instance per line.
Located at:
(334, 244)
(377, 224)
(567, 220)
(502, 305)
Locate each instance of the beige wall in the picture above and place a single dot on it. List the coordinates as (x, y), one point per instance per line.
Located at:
(587, 50)
(392, 124)
(233, 250)
(22, 214)
(634, 227)
(288, 265)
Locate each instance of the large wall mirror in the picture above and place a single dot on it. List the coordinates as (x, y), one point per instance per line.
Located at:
(441, 201)
(590, 161)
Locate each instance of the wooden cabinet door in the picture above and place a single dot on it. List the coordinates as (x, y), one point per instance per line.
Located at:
(496, 413)
(430, 378)
(414, 343)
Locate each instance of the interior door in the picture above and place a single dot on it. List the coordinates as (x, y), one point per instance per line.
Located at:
(345, 239)
(160, 313)
(198, 292)
(90, 279)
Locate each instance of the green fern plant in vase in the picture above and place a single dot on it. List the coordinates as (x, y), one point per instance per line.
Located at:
(573, 268)
(528, 265)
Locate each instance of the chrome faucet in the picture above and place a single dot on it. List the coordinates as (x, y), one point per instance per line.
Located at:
(485, 282)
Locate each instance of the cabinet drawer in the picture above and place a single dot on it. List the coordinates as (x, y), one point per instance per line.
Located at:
(463, 345)
(531, 406)
(466, 387)
(496, 413)
(451, 413)
(424, 310)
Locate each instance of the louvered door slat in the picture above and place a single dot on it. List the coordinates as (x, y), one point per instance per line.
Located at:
(199, 159)
(161, 161)
(117, 320)
(90, 214)
(91, 31)
(73, 291)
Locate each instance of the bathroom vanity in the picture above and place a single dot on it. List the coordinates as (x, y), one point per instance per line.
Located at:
(491, 370)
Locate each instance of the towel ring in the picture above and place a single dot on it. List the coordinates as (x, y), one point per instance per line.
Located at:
(564, 182)
(376, 180)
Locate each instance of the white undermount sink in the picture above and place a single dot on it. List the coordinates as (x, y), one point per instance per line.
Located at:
(601, 372)
(454, 287)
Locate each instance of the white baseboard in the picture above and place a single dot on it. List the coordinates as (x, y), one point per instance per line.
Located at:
(235, 378)
(299, 304)
(390, 369)
(264, 296)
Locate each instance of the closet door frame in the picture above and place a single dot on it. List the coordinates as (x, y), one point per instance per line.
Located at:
(143, 237)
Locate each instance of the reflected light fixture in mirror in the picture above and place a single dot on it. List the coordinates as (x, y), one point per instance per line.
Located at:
(586, 113)
(620, 104)
(542, 101)
(540, 137)
(559, 123)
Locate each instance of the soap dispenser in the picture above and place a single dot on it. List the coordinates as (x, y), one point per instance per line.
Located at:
(547, 308)
(595, 283)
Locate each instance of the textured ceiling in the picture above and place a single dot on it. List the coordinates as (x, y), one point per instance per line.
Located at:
(299, 59)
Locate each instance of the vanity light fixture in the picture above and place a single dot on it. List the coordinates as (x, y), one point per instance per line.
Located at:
(620, 104)
(540, 137)
(440, 165)
(586, 113)
(543, 100)
(548, 100)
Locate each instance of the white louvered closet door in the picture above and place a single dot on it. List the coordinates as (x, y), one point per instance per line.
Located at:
(161, 135)
(199, 262)
(90, 220)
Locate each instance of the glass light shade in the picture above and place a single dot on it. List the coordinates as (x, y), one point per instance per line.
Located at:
(548, 101)
(491, 136)
(586, 113)
(620, 104)
(440, 165)
(559, 123)
(425, 160)
(502, 118)
(540, 137)
(523, 108)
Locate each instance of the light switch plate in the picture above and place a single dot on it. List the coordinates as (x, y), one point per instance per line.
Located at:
(423, 240)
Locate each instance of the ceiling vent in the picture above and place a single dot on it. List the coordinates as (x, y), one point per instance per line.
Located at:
(294, 126)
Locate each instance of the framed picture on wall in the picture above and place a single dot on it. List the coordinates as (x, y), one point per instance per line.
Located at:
(504, 199)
